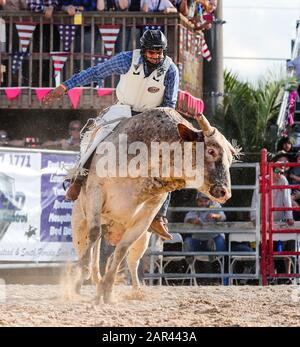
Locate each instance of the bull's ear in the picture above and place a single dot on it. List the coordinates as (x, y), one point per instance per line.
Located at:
(187, 134)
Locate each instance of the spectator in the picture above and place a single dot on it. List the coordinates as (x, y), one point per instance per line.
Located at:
(71, 143)
(204, 241)
(201, 13)
(201, 241)
(283, 157)
(285, 144)
(135, 5)
(181, 6)
(13, 5)
(158, 6)
(5, 140)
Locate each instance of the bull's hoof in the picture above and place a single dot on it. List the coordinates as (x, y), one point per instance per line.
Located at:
(105, 293)
(96, 277)
(108, 298)
(99, 291)
(78, 287)
(85, 273)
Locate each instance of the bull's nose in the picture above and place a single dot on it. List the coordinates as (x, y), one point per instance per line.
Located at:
(219, 192)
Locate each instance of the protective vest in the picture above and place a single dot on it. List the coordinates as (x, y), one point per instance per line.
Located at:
(140, 92)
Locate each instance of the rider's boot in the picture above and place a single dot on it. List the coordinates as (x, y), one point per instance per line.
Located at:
(74, 189)
(159, 227)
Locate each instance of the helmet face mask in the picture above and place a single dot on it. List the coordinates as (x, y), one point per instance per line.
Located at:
(153, 47)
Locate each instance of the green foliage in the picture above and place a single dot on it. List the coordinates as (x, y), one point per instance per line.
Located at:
(249, 111)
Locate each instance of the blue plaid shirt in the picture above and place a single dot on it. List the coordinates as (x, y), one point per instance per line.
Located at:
(120, 65)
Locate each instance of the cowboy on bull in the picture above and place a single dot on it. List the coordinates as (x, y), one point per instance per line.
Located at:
(152, 79)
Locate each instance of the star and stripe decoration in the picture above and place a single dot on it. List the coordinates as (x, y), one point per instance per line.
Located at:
(67, 34)
(153, 27)
(181, 39)
(59, 59)
(205, 51)
(109, 34)
(17, 60)
(98, 59)
(25, 32)
(189, 41)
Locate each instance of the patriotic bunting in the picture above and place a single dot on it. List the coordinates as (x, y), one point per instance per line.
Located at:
(105, 91)
(59, 59)
(17, 59)
(181, 38)
(12, 93)
(42, 92)
(153, 27)
(109, 34)
(189, 41)
(205, 51)
(185, 39)
(99, 59)
(180, 69)
(67, 34)
(25, 31)
(74, 95)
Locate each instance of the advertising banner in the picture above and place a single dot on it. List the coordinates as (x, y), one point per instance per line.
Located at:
(35, 221)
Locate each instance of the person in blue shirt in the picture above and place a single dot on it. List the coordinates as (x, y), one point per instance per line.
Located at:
(148, 79)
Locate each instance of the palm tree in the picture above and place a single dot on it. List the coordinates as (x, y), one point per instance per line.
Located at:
(248, 111)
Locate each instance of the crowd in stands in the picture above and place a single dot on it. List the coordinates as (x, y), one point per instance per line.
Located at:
(70, 143)
(200, 12)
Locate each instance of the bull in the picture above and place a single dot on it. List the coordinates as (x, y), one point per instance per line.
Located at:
(121, 209)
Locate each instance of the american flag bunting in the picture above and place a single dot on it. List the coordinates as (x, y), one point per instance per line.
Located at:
(109, 34)
(67, 34)
(25, 31)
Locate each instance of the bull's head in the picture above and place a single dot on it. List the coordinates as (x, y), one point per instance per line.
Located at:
(218, 157)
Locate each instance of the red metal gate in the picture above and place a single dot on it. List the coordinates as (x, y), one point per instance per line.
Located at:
(267, 220)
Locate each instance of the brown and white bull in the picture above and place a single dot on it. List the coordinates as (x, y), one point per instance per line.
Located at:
(127, 205)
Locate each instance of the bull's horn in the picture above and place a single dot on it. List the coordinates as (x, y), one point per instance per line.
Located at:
(204, 124)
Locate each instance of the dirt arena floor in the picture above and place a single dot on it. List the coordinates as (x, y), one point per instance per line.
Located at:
(47, 305)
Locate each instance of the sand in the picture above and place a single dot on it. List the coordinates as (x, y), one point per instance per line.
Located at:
(46, 305)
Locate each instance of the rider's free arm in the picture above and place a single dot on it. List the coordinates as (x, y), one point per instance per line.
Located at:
(119, 64)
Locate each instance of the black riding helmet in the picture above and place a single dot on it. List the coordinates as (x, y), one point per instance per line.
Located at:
(153, 40)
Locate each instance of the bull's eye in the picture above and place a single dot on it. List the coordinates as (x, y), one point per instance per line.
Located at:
(212, 152)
